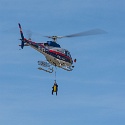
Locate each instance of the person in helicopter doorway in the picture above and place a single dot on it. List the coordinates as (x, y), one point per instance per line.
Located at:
(55, 88)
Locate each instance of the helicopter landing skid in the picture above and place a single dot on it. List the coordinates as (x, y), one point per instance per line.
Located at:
(68, 68)
(45, 66)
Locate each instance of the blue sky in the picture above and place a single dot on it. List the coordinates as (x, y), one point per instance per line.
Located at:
(93, 93)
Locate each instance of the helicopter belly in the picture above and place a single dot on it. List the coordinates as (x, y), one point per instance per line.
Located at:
(57, 62)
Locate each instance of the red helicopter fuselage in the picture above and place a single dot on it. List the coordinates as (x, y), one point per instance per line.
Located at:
(52, 51)
(54, 54)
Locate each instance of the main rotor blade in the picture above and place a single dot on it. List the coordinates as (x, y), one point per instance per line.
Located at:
(86, 33)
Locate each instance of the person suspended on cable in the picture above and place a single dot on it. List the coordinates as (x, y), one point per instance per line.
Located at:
(55, 88)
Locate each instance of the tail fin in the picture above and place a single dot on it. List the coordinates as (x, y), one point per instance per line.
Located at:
(22, 36)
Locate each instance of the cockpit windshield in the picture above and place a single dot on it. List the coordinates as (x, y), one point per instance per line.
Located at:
(67, 53)
(64, 51)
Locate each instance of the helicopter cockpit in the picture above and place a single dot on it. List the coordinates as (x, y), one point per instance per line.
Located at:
(64, 51)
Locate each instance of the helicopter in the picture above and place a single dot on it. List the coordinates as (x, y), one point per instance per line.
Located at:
(54, 54)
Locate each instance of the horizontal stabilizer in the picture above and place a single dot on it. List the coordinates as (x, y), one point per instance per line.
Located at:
(24, 45)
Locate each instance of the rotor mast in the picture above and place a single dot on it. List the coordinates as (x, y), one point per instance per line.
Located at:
(54, 38)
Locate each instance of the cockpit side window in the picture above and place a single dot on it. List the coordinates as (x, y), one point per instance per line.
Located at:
(67, 53)
(46, 44)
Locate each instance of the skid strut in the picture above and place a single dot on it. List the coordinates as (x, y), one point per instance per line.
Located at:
(45, 66)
